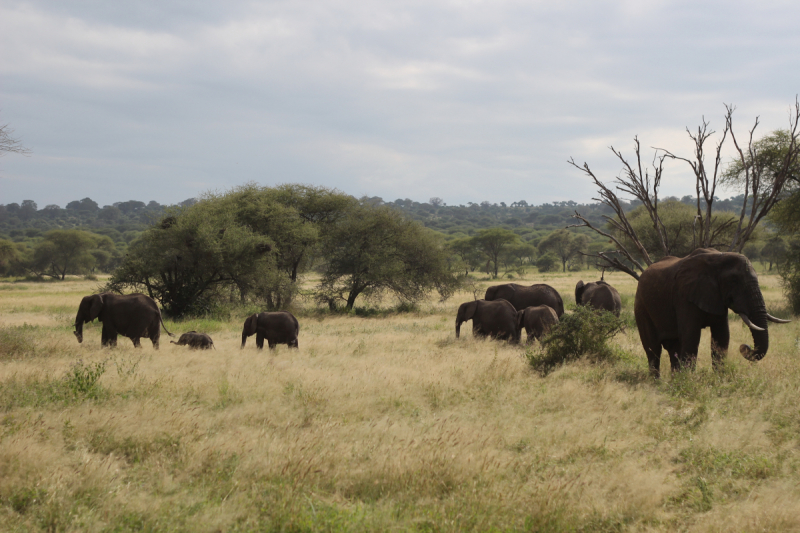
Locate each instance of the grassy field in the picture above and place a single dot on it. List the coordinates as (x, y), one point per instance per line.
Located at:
(384, 423)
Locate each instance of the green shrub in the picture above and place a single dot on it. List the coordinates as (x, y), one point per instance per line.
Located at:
(548, 262)
(82, 380)
(583, 333)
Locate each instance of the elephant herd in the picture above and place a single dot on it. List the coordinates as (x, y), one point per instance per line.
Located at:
(676, 298)
(506, 309)
(136, 316)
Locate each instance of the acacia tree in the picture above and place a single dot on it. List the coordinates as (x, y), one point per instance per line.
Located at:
(763, 190)
(493, 243)
(372, 250)
(565, 245)
(63, 252)
(189, 256)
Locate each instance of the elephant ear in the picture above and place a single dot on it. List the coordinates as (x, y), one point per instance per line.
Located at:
(96, 307)
(251, 324)
(520, 319)
(469, 310)
(697, 282)
(579, 288)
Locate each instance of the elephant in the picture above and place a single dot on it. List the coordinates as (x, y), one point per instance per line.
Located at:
(278, 328)
(497, 318)
(537, 321)
(195, 340)
(521, 296)
(598, 295)
(130, 315)
(678, 297)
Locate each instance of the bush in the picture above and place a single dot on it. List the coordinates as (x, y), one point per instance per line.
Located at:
(548, 262)
(82, 380)
(583, 333)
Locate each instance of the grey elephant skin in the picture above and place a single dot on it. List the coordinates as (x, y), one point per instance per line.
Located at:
(521, 296)
(537, 321)
(130, 315)
(497, 319)
(279, 327)
(195, 341)
(598, 295)
(678, 297)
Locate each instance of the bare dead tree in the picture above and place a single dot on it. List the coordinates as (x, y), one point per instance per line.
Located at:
(705, 187)
(763, 191)
(637, 182)
(9, 144)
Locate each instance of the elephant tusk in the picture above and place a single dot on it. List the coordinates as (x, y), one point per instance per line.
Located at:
(750, 325)
(777, 320)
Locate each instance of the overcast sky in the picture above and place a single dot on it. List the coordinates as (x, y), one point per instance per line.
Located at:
(464, 100)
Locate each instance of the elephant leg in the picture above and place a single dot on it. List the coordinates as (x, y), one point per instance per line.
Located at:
(652, 346)
(720, 338)
(136, 342)
(271, 344)
(673, 348)
(687, 354)
(260, 340)
(294, 344)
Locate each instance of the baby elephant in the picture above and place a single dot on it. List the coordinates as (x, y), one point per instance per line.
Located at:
(195, 340)
(278, 328)
(537, 321)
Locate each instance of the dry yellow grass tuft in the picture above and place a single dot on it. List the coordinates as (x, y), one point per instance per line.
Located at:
(386, 422)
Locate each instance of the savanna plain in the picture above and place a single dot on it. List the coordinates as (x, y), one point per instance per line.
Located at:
(384, 421)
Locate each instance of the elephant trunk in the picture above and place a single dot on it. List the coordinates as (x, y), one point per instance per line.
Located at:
(758, 319)
(458, 327)
(79, 329)
(244, 338)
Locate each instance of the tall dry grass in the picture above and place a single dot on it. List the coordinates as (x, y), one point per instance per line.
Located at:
(384, 423)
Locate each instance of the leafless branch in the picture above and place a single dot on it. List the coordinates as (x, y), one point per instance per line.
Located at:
(762, 198)
(10, 144)
(705, 186)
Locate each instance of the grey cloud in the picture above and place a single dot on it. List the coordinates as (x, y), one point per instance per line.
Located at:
(467, 101)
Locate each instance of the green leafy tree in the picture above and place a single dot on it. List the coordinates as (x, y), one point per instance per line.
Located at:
(566, 245)
(295, 218)
(492, 243)
(679, 224)
(63, 252)
(464, 248)
(373, 250)
(9, 256)
(547, 262)
(774, 251)
(518, 255)
(188, 260)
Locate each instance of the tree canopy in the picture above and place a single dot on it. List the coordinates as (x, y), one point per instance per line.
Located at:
(255, 242)
(373, 250)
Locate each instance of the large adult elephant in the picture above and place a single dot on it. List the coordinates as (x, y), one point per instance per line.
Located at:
(130, 315)
(678, 297)
(497, 319)
(598, 295)
(279, 327)
(521, 296)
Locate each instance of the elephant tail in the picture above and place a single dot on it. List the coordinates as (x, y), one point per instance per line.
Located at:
(163, 326)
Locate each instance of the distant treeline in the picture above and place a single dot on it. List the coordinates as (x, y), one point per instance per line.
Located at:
(124, 221)
(528, 221)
